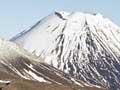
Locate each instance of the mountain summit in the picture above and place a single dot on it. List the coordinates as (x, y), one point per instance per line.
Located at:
(87, 46)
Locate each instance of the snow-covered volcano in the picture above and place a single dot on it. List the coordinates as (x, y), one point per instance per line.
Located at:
(85, 45)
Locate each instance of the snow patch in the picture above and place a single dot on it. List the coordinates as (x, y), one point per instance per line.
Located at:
(4, 81)
(76, 82)
(38, 78)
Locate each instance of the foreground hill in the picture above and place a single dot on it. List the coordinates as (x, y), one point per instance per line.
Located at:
(19, 70)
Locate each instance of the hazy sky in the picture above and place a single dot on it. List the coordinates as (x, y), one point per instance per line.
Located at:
(17, 15)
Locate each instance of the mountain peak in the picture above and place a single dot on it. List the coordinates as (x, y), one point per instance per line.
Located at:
(77, 14)
(81, 44)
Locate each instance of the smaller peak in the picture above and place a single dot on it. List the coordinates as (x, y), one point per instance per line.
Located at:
(93, 13)
(88, 13)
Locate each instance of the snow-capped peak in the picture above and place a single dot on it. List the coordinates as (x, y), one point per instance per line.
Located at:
(84, 45)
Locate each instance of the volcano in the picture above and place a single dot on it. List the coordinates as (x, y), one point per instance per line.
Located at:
(86, 46)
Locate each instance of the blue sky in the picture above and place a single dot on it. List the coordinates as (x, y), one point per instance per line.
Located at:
(17, 15)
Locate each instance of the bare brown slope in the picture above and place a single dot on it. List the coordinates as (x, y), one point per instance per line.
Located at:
(32, 85)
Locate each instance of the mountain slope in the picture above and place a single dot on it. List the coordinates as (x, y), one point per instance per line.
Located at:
(17, 66)
(85, 45)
